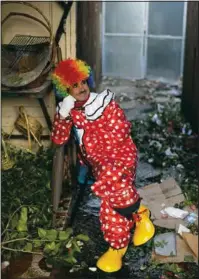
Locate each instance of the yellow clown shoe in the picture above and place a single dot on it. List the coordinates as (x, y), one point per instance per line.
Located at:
(144, 228)
(144, 210)
(111, 260)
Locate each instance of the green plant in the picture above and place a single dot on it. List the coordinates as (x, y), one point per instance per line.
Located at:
(165, 140)
(27, 211)
(56, 246)
(161, 243)
(28, 183)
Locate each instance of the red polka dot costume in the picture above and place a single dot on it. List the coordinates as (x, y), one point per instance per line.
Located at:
(106, 144)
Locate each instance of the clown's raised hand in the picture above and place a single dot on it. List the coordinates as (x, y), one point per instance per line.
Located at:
(65, 106)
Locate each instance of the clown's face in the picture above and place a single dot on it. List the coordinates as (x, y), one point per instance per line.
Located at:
(80, 90)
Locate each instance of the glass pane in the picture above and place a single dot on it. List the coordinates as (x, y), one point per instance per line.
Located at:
(164, 57)
(123, 57)
(124, 17)
(166, 18)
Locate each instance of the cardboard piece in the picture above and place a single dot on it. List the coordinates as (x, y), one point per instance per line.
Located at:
(192, 241)
(169, 223)
(183, 251)
(170, 188)
(152, 193)
(158, 196)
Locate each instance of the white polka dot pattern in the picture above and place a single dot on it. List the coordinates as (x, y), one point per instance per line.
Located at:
(110, 151)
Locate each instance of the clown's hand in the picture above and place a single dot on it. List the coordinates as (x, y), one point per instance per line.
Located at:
(65, 107)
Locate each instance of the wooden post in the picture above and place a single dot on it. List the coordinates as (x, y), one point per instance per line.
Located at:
(89, 35)
(190, 93)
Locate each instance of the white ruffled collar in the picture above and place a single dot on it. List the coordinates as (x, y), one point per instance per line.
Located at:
(96, 104)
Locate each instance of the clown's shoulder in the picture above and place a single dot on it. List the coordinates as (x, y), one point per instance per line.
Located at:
(97, 103)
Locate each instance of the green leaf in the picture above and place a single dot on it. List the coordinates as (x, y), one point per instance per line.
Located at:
(22, 234)
(14, 221)
(33, 209)
(56, 250)
(69, 244)
(41, 233)
(75, 245)
(24, 215)
(157, 244)
(63, 235)
(143, 267)
(28, 247)
(22, 227)
(69, 231)
(51, 235)
(49, 247)
(37, 243)
(48, 185)
(82, 237)
(13, 235)
(71, 260)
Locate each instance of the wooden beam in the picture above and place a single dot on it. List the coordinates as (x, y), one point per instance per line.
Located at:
(89, 35)
(190, 93)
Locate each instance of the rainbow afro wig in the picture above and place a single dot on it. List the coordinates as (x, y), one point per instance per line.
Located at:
(69, 72)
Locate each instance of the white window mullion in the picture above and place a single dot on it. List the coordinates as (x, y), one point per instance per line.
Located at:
(183, 38)
(165, 37)
(146, 38)
(103, 36)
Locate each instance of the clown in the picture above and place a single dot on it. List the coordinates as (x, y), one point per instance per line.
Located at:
(107, 148)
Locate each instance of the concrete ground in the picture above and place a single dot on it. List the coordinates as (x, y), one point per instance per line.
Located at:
(138, 97)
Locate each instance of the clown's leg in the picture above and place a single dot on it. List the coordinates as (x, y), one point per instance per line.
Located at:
(115, 190)
(144, 228)
(111, 260)
(116, 231)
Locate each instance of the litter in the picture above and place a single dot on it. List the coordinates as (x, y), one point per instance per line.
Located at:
(169, 153)
(158, 196)
(92, 269)
(156, 119)
(182, 229)
(175, 212)
(165, 244)
(183, 251)
(191, 218)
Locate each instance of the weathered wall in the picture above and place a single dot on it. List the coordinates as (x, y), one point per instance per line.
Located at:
(190, 94)
(18, 25)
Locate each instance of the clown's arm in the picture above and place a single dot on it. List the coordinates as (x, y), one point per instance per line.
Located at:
(62, 122)
(61, 130)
